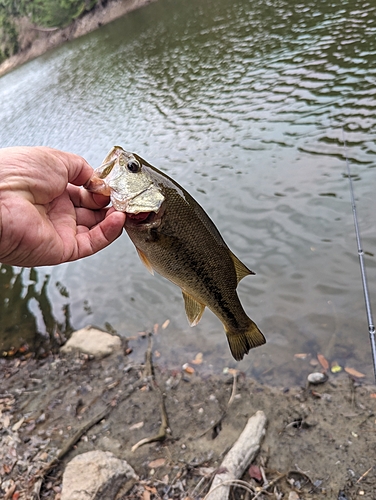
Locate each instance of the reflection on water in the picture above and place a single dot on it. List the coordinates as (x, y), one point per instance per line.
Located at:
(243, 102)
(27, 322)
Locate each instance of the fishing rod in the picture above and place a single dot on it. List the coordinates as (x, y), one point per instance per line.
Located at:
(371, 326)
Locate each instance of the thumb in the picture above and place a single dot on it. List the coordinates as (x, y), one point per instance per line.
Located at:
(100, 236)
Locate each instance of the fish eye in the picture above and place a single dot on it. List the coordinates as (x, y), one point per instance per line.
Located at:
(133, 166)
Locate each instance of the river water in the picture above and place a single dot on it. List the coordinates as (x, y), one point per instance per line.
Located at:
(243, 103)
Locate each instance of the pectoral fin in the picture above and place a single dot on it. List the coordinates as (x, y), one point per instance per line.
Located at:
(193, 309)
(145, 261)
(240, 269)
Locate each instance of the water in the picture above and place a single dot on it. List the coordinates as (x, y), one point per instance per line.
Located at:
(242, 102)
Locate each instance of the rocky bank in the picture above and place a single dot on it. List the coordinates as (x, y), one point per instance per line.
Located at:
(160, 432)
(35, 41)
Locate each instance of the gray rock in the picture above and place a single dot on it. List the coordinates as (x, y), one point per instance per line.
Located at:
(92, 341)
(96, 475)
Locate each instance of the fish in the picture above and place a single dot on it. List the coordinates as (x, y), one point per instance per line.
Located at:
(175, 237)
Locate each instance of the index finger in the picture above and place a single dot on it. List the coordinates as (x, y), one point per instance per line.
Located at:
(82, 198)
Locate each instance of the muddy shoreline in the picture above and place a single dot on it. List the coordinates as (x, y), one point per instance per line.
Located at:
(35, 41)
(319, 442)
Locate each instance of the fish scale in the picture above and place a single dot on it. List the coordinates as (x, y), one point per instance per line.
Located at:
(176, 238)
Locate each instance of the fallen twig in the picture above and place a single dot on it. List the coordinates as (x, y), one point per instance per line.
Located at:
(93, 421)
(149, 372)
(44, 30)
(364, 475)
(233, 392)
(240, 455)
(162, 433)
(217, 426)
(266, 487)
(230, 482)
(149, 368)
(281, 476)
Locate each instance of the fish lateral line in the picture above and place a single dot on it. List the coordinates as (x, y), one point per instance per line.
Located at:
(175, 237)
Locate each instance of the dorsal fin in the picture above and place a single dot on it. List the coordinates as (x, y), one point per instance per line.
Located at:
(193, 309)
(241, 269)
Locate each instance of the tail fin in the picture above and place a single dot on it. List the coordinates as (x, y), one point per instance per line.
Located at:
(241, 342)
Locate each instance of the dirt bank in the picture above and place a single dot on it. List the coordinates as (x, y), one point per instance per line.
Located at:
(319, 443)
(36, 41)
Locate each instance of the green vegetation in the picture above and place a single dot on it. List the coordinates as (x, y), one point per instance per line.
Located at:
(8, 37)
(44, 13)
(57, 13)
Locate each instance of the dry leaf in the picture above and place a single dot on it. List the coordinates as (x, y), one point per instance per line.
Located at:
(159, 462)
(8, 468)
(302, 355)
(146, 495)
(316, 394)
(354, 373)
(293, 496)
(373, 395)
(157, 354)
(6, 421)
(11, 490)
(151, 489)
(255, 473)
(188, 369)
(165, 324)
(323, 361)
(198, 359)
(136, 426)
(155, 329)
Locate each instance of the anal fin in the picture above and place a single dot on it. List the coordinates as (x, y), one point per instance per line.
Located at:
(193, 309)
(145, 261)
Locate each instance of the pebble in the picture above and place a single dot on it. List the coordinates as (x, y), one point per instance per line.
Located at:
(317, 378)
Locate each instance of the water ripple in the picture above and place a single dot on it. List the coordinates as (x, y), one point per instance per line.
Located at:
(244, 103)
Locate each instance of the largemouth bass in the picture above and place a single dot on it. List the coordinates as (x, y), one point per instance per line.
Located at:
(174, 236)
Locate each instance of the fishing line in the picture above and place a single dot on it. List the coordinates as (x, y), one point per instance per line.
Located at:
(371, 326)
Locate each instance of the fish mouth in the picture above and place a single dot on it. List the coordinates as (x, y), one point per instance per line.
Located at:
(140, 217)
(145, 219)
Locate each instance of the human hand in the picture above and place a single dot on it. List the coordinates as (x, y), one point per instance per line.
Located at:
(45, 218)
